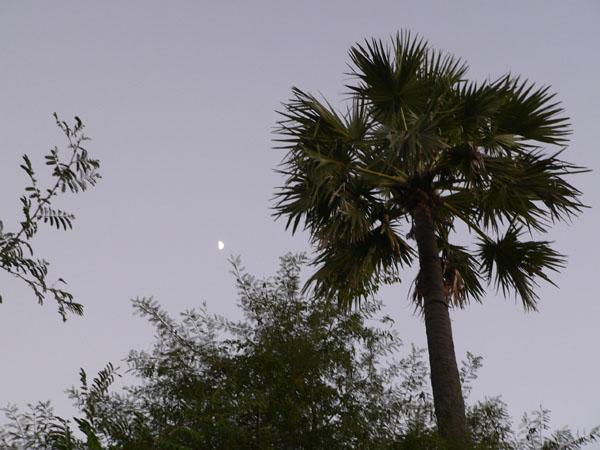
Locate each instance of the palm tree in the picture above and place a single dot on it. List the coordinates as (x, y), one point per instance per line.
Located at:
(418, 150)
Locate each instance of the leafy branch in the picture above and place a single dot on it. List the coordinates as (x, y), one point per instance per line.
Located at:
(74, 173)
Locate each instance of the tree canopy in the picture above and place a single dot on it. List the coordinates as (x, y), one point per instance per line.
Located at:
(416, 129)
(293, 373)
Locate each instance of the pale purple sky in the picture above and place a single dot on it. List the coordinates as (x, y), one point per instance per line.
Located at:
(179, 98)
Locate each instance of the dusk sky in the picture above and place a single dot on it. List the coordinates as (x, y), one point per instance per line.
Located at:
(180, 97)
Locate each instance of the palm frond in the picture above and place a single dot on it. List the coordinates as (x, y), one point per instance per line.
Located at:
(330, 180)
(351, 272)
(531, 112)
(438, 65)
(476, 104)
(529, 189)
(513, 265)
(307, 121)
(316, 165)
(461, 275)
(389, 81)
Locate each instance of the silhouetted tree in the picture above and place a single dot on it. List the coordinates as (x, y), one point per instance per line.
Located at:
(420, 149)
(294, 373)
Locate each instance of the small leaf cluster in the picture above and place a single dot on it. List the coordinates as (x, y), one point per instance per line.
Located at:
(74, 172)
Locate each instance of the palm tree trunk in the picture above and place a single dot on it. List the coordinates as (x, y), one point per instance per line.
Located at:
(445, 381)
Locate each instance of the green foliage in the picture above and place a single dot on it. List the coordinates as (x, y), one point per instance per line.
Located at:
(294, 373)
(27, 429)
(73, 173)
(418, 131)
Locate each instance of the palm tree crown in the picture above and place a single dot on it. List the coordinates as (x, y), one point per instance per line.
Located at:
(417, 131)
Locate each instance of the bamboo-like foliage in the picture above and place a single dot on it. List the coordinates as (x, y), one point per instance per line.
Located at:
(487, 154)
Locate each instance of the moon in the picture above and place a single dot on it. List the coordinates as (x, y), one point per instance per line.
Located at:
(220, 245)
